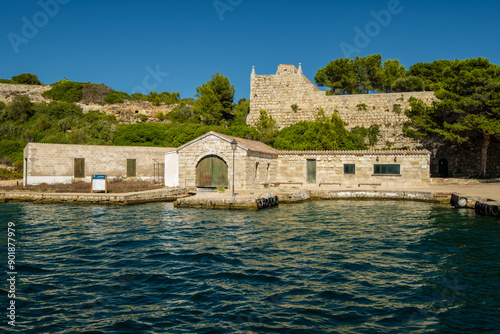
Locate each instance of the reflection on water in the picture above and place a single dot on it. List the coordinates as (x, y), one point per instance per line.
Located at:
(317, 267)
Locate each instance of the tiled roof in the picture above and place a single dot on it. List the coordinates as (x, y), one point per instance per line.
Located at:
(360, 152)
(251, 145)
(246, 144)
(166, 149)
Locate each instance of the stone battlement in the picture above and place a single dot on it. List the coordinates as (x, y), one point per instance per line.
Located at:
(278, 92)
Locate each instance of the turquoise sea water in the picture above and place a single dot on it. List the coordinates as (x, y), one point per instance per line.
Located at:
(316, 267)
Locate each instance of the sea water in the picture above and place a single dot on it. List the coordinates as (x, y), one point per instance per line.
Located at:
(317, 267)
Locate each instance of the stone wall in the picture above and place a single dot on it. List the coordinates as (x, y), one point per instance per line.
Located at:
(464, 160)
(277, 93)
(414, 167)
(251, 167)
(54, 163)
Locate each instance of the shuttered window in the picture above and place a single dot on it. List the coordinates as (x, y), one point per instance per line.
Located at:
(79, 167)
(131, 168)
(386, 169)
(349, 169)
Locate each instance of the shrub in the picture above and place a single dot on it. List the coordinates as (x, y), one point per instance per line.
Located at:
(26, 79)
(116, 97)
(64, 90)
(94, 93)
(409, 84)
(362, 107)
(6, 161)
(396, 108)
(142, 118)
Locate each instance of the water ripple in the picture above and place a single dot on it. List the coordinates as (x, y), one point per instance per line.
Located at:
(316, 267)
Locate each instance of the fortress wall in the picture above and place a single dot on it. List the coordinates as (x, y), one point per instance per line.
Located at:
(277, 93)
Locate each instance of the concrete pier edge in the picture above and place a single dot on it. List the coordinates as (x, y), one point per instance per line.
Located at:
(187, 197)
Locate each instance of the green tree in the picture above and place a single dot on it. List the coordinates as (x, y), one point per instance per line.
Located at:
(240, 112)
(468, 106)
(266, 127)
(215, 100)
(350, 76)
(340, 75)
(409, 84)
(392, 71)
(26, 79)
(183, 114)
(369, 70)
(19, 110)
(431, 73)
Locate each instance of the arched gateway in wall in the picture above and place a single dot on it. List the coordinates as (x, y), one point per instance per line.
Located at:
(211, 172)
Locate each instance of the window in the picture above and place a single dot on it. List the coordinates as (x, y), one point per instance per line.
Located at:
(79, 167)
(349, 169)
(131, 168)
(383, 169)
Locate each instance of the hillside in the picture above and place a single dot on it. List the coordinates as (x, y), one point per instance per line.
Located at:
(129, 111)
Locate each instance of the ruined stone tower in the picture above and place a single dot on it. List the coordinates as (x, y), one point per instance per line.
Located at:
(277, 93)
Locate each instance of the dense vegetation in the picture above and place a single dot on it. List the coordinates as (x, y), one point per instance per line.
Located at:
(62, 121)
(469, 106)
(469, 93)
(22, 79)
(71, 91)
(367, 74)
(57, 122)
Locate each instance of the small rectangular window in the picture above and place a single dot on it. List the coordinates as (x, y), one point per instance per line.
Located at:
(131, 168)
(349, 169)
(79, 167)
(386, 169)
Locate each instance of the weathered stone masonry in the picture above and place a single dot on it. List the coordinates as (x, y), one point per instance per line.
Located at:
(277, 93)
(55, 163)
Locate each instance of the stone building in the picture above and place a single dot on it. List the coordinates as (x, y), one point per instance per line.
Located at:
(61, 163)
(258, 165)
(277, 93)
(207, 162)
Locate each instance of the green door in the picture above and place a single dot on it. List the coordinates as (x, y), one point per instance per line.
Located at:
(131, 168)
(79, 167)
(311, 171)
(211, 172)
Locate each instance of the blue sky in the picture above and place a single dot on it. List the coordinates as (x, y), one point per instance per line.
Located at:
(177, 45)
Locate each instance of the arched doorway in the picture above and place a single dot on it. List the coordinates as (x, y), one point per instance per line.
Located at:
(211, 172)
(443, 167)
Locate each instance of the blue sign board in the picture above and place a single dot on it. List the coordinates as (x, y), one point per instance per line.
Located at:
(99, 183)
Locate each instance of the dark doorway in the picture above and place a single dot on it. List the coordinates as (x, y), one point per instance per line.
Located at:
(443, 167)
(211, 172)
(79, 167)
(311, 171)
